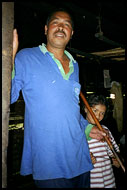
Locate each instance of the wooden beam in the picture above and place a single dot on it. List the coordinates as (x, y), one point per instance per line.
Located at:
(7, 35)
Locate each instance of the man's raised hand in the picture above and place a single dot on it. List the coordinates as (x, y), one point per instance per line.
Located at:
(15, 44)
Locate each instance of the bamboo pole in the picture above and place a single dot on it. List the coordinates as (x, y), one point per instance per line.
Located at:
(7, 37)
(100, 127)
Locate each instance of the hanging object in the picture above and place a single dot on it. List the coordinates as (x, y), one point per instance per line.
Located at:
(107, 79)
(116, 89)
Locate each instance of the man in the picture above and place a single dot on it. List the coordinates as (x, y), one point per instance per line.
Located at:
(55, 148)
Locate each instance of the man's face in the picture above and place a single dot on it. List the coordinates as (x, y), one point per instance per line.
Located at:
(59, 30)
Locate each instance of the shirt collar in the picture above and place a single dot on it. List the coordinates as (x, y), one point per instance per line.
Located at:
(44, 50)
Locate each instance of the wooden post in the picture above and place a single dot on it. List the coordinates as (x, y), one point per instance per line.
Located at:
(7, 37)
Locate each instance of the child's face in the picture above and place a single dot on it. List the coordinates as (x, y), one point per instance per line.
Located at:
(99, 111)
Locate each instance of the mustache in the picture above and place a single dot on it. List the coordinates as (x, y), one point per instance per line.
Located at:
(60, 31)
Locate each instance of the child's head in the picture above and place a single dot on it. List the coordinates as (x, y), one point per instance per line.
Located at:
(98, 104)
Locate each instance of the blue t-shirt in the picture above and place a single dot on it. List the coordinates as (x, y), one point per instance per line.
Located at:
(55, 144)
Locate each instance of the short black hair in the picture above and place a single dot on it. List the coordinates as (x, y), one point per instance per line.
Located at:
(61, 9)
(95, 99)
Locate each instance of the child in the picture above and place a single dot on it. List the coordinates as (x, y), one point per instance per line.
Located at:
(102, 175)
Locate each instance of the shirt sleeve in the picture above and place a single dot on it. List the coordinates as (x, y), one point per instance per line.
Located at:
(87, 131)
(13, 72)
(17, 78)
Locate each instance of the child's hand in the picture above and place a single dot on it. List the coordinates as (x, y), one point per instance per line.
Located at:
(92, 158)
(115, 162)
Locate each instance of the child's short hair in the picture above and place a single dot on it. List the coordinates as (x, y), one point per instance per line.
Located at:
(95, 99)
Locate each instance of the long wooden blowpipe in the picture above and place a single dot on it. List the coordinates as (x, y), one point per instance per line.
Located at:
(100, 127)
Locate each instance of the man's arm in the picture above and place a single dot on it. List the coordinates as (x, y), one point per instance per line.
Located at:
(17, 78)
